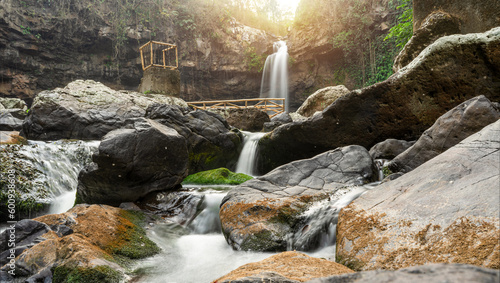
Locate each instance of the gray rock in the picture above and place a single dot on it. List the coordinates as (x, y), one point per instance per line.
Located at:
(27, 234)
(446, 210)
(433, 273)
(260, 213)
(389, 148)
(179, 207)
(12, 119)
(13, 103)
(276, 121)
(247, 119)
(86, 110)
(211, 144)
(436, 25)
(454, 126)
(134, 162)
(321, 99)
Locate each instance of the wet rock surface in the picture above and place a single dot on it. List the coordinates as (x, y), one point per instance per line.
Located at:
(259, 214)
(446, 210)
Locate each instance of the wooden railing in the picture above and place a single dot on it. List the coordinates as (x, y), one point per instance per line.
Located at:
(159, 54)
(272, 106)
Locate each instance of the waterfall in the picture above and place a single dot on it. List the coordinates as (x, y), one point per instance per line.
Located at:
(247, 159)
(275, 74)
(60, 163)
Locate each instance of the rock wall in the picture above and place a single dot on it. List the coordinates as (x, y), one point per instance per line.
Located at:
(47, 44)
(315, 62)
(475, 16)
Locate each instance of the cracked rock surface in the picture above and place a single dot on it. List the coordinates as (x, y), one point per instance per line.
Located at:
(444, 211)
(260, 213)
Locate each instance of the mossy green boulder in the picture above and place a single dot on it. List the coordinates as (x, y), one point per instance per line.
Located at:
(99, 244)
(220, 176)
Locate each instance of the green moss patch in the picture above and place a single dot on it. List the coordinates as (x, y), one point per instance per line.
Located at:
(98, 274)
(220, 176)
(132, 241)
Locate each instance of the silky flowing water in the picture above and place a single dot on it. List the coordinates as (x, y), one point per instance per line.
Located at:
(275, 74)
(247, 159)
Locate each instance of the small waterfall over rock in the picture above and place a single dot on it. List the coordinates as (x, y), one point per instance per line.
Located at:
(247, 159)
(275, 74)
(320, 220)
(60, 163)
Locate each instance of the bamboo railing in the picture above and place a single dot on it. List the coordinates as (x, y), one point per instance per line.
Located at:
(272, 106)
(159, 54)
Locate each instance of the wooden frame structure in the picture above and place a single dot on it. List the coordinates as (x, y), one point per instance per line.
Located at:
(159, 54)
(267, 105)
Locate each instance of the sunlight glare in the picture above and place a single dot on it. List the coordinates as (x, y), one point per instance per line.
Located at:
(289, 5)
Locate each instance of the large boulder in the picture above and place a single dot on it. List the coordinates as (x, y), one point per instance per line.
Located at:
(451, 128)
(211, 143)
(432, 273)
(444, 211)
(86, 110)
(436, 25)
(134, 162)
(319, 100)
(451, 70)
(389, 148)
(289, 267)
(262, 213)
(99, 239)
(247, 119)
(12, 114)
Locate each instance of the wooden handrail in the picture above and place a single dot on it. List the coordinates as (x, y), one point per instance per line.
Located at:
(264, 104)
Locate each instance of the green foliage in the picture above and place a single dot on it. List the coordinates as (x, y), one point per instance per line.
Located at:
(220, 176)
(386, 171)
(403, 30)
(254, 61)
(98, 274)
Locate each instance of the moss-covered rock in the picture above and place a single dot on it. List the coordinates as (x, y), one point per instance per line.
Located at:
(220, 176)
(102, 243)
(28, 192)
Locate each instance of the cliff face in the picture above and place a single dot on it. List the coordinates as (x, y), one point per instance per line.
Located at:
(46, 44)
(317, 62)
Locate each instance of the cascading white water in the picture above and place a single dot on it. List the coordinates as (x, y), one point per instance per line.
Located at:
(275, 74)
(60, 163)
(198, 253)
(247, 159)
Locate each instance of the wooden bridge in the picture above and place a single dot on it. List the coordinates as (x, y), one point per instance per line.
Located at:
(159, 54)
(272, 106)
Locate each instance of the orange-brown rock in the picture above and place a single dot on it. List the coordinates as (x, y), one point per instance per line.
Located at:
(11, 138)
(84, 240)
(444, 211)
(292, 266)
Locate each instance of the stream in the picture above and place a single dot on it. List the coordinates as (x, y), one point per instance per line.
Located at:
(197, 251)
